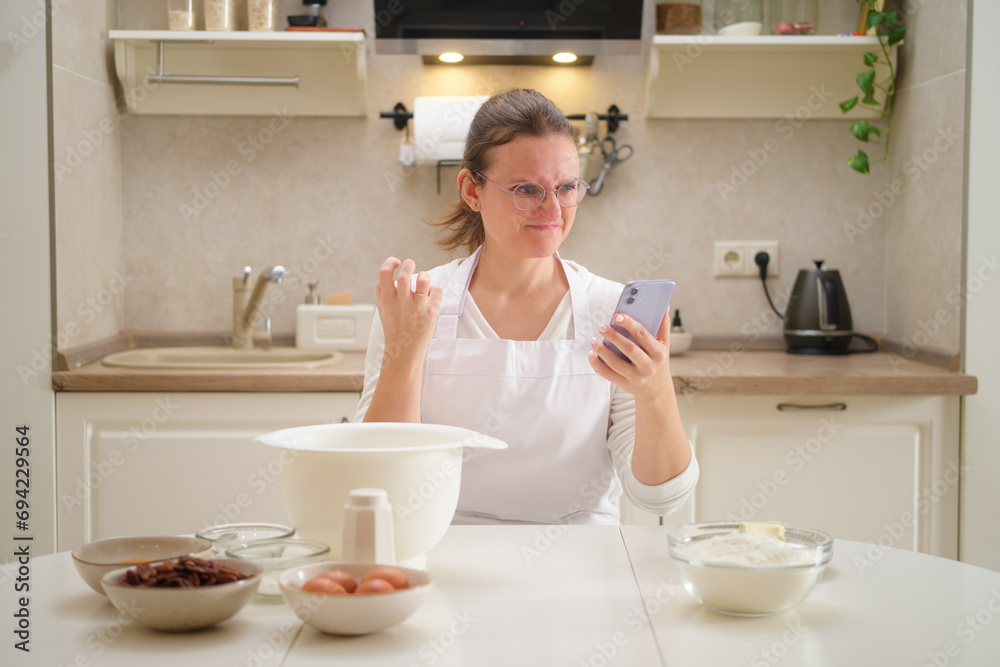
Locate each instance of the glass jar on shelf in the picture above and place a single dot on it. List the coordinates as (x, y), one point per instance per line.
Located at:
(220, 15)
(739, 18)
(794, 17)
(181, 15)
(678, 18)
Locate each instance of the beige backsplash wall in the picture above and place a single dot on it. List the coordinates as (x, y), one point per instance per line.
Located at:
(326, 198)
(924, 222)
(90, 273)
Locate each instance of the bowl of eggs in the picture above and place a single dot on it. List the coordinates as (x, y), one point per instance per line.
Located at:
(94, 559)
(353, 598)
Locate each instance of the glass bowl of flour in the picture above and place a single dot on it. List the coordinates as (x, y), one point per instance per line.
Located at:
(749, 568)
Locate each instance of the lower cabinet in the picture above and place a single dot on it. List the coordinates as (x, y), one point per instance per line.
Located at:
(882, 470)
(157, 463)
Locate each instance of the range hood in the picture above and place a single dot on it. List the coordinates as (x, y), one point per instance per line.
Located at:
(508, 29)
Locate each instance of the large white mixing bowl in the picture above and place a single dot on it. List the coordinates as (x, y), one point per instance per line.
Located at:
(419, 466)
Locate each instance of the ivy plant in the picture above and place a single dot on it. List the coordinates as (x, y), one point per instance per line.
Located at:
(889, 32)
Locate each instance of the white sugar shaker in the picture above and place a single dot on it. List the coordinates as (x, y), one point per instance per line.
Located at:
(368, 528)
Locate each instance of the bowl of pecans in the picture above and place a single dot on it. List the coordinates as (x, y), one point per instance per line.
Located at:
(187, 593)
(94, 559)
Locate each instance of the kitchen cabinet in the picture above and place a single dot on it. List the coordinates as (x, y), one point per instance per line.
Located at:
(883, 469)
(167, 463)
(280, 74)
(794, 78)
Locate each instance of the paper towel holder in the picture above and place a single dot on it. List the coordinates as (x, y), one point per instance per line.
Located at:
(400, 117)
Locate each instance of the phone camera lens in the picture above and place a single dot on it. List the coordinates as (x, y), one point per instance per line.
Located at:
(630, 300)
(633, 292)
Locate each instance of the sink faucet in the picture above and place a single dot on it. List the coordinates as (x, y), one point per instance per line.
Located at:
(246, 304)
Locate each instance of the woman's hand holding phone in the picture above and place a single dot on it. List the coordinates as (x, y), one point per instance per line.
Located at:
(631, 356)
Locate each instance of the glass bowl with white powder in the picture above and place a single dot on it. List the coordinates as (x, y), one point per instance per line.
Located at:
(763, 569)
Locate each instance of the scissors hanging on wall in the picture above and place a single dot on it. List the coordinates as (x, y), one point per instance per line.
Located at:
(613, 156)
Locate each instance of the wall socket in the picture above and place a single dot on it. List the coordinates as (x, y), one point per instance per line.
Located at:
(735, 259)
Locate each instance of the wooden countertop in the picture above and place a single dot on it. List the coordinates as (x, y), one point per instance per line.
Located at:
(718, 372)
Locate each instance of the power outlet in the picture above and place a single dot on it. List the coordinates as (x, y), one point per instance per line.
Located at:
(735, 259)
(754, 247)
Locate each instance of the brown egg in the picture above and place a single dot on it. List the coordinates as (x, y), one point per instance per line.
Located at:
(374, 586)
(343, 578)
(390, 574)
(325, 585)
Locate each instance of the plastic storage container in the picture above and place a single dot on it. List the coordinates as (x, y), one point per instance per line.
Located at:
(794, 17)
(182, 15)
(739, 18)
(261, 15)
(678, 18)
(220, 15)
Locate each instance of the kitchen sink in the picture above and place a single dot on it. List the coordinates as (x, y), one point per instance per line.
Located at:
(222, 357)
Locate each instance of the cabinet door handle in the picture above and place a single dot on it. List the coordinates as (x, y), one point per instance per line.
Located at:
(825, 406)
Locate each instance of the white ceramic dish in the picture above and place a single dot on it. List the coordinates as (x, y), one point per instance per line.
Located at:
(94, 559)
(679, 343)
(419, 466)
(182, 609)
(352, 614)
(749, 590)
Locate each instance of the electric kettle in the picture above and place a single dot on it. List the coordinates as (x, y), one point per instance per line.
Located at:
(818, 319)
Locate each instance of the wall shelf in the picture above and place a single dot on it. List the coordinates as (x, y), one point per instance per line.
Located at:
(705, 76)
(241, 73)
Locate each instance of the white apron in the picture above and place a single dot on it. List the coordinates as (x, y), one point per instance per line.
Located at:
(542, 398)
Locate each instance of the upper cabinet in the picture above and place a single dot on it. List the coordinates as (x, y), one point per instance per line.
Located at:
(796, 77)
(242, 73)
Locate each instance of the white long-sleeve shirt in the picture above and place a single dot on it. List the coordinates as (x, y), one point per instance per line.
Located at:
(603, 295)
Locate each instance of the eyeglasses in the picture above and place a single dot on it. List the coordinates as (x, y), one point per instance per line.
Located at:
(529, 196)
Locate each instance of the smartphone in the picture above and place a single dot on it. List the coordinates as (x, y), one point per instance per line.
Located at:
(645, 301)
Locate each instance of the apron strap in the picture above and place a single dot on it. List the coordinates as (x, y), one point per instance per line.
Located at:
(457, 289)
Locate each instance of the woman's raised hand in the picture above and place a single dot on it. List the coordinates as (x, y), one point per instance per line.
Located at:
(648, 376)
(408, 315)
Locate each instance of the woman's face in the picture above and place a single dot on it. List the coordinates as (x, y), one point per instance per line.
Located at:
(550, 161)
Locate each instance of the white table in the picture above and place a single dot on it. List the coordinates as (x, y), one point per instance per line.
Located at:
(546, 595)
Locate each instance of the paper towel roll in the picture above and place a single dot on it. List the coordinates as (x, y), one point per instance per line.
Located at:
(440, 125)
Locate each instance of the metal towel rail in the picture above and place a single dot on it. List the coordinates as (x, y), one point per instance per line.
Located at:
(160, 77)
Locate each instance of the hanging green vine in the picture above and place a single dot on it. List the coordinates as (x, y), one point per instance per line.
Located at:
(889, 32)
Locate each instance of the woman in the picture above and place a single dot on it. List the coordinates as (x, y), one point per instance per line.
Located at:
(502, 342)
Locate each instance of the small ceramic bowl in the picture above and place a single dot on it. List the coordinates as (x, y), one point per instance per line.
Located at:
(679, 343)
(274, 556)
(352, 614)
(226, 535)
(182, 609)
(94, 559)
(748, 579)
